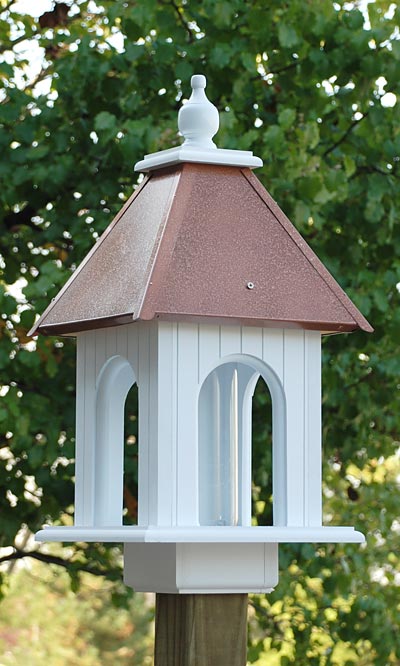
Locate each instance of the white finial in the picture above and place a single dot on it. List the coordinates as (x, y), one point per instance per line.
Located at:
(198, 119)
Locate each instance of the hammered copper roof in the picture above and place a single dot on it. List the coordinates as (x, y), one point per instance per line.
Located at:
(200, 241)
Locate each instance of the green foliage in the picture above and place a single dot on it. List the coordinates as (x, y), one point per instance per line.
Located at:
(301, 85)
(43, 621)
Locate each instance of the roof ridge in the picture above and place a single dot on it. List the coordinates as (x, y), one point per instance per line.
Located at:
(156, 248)
(158, 271)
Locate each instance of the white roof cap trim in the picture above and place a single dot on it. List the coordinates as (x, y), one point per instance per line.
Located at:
(198, 121)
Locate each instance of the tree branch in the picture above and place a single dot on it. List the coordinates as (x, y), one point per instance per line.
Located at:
(10, 45)
(7, 7)
(373, 169)
(50, 559)
(274, 72)
(182, 20)
(43, 74)
(260, 609)
(345, 135)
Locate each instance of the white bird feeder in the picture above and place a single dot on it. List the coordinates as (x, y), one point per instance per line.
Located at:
(199, 287)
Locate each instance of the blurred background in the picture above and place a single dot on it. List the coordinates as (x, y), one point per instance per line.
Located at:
(86, 89)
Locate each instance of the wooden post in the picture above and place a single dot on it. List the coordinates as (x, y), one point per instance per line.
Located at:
(201, 630)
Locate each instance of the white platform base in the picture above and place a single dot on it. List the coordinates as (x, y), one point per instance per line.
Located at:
(222, 156)
(202, 568)
(196, 534)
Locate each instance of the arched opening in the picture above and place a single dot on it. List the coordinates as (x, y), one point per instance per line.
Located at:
(131, 457)
(235, 487)
(261, 463)
(115, 380)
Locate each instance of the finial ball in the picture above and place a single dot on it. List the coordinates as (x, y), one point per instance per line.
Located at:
(198, 81)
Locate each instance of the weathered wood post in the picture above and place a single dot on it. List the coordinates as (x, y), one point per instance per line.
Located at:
(201, 630)
(200, 286)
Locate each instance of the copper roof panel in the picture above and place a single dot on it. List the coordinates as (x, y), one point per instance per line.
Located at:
(228, 254)
(202, 241)
(111, 281)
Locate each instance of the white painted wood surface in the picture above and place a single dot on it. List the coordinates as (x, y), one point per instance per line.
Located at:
(207, 568)
(201, 534)
(172, 362)
(196, 384)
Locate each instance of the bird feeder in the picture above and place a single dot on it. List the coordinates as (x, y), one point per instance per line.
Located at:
(199, 287)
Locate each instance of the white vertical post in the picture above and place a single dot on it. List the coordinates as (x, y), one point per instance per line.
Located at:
(210, 501)
(209, 349)
(147, 499)
(187, 414)
(247, 380)
(295, 445)
(85, 430)
(227, 444)
(273, 356)
(165, 375)
(313, 452)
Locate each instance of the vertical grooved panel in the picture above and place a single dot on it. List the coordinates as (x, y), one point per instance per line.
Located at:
(100, 341)
(133, 347)
(273, 350)
(146, 480)
(230, 340)
(273, 356)
(122, 341)
(313, 453)
(294, 391)
(209, 349)
(80, 427)
(187, 458)
(154, 440)
(111, 342)
(167, 363)
(252, 341)
(89, 435)
(175, 422)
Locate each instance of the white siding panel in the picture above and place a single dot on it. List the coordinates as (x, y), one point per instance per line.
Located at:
(252, 341)
(187, 454)
(166, 432)
(111, 342)
(312, 435)
(294, 391)
(100, 342)
(133, 347)
(209, 349)
(89, 430)
(147, 500)
(230, 340)
(122, 341)
(273, 356)
(247, 379)
(80, 428)
(273, 350)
